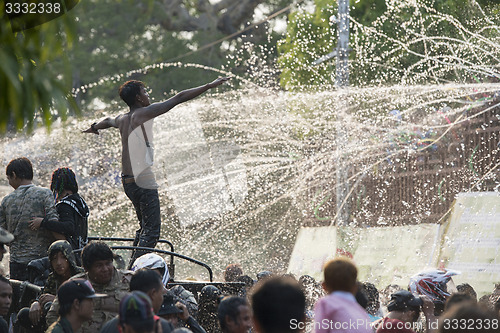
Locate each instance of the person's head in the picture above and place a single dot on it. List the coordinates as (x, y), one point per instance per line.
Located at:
(485, 301)
(278, 305)
(19, 169)
(133, 92)
(149, 282)
(467, 289)
(340, 274)
(437, 284)
(209, 295)
(62, 258)
(372, 295)
(307, 281)
(136, 313)
(168, 310)
(475, 317)
(248, 281)
(5, 295)
(5, 238)
(232, 272)
(154, 262)
(77, 295)
(63, 179)
(406, 304)
(97, 260)
(234, 315)
(433, 283)
(458, 299)
(208, 303)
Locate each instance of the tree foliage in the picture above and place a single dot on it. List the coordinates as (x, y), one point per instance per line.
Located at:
(136, 35)
(309, 36)
(117, 40)
(29, 88)
(395, 42)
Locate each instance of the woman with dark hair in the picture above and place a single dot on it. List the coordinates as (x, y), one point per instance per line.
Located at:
(72, 209)
(63, 265)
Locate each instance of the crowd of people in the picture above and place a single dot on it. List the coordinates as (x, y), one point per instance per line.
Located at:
(98, 297)
(87, 293)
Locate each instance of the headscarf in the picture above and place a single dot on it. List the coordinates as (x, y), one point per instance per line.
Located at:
(152, 261)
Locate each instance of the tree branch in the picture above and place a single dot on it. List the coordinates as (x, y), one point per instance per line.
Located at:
(238, 13)
(227, 16)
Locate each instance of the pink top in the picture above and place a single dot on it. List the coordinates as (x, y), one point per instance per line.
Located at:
(337, 313)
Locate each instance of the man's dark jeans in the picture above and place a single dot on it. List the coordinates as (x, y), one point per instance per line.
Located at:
(147, 207)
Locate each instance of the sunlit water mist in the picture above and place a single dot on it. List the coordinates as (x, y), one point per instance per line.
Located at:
(236, 169)
(240, 172)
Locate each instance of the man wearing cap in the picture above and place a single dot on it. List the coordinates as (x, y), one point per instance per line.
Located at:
(404, 312)
(76, 306)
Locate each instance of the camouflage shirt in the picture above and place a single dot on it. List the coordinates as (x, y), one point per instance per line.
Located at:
(16, 211)
(105, 308)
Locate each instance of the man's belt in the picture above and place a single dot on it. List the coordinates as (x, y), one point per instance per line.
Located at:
(128, 180)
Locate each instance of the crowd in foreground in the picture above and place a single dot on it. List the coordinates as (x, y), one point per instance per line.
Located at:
(87, 293)
(101, 298)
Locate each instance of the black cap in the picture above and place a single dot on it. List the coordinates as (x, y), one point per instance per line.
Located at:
(403, 300)
(76, 289)
(168, 306)
(209, 293)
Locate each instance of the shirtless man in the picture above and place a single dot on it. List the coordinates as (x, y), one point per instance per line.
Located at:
(137, 153)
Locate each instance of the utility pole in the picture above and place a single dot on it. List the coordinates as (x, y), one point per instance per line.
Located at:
(342, 83)
(342, 80)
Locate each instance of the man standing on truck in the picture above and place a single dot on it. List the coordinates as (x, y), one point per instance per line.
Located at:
(137, 153)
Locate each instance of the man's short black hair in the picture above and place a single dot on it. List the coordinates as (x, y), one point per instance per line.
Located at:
(22, 167)
(468, 289)
(145, 279)
(129, 90)
(95, 251)
(458, 298)
(276, 302)
(230, 306)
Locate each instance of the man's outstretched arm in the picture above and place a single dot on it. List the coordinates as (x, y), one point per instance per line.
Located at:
(103, 124)
(154, 110)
